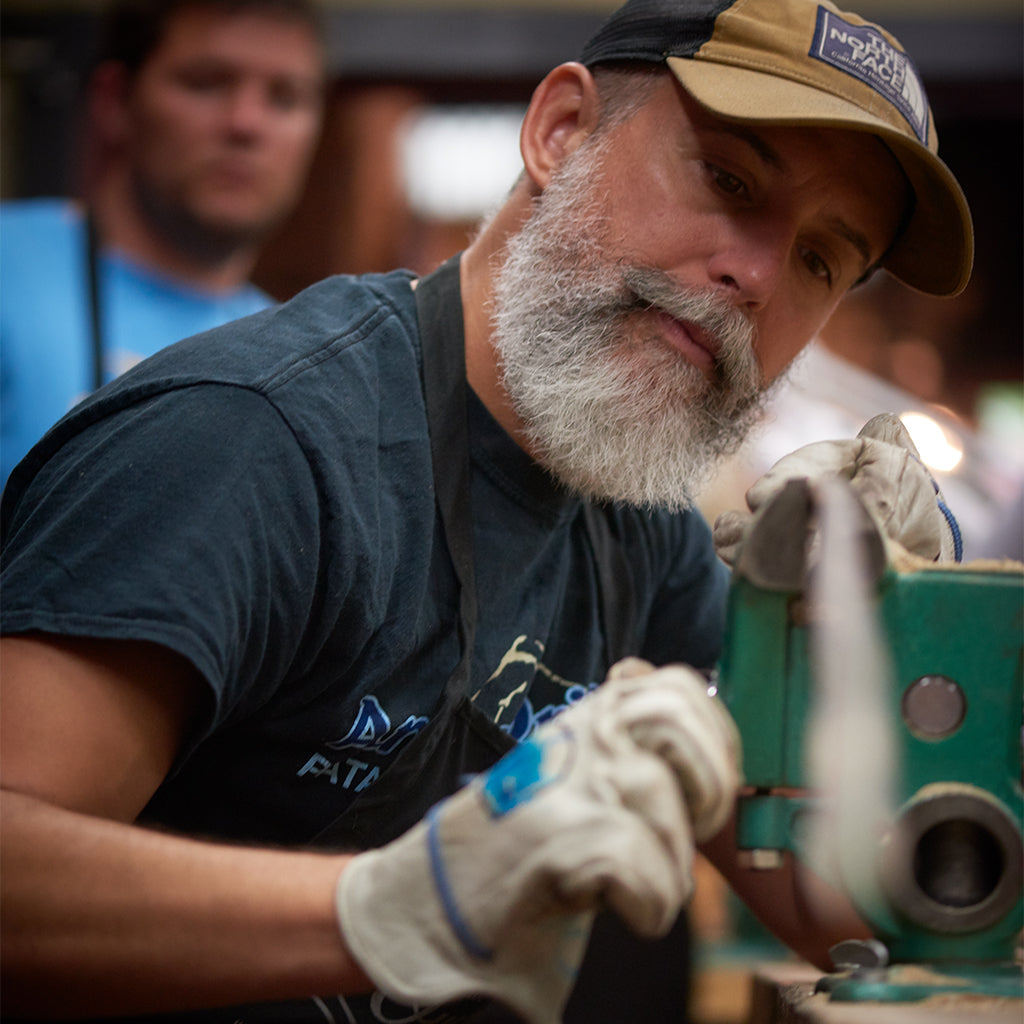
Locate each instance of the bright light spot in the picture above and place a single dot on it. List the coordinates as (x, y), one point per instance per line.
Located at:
(459, 162)
(939, 449)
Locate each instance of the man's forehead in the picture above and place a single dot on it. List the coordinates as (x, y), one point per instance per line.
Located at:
(771, 141)
(207, 24)
(197, 33)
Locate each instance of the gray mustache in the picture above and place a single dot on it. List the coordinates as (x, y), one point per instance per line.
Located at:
(737, 373)
(706, 308)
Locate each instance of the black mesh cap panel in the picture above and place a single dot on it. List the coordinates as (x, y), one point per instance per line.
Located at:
(651, 30)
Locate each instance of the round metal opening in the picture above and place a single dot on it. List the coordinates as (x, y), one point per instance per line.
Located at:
(958, 863)
(953, 862)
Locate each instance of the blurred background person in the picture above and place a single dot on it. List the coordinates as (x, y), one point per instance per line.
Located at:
(203, 120)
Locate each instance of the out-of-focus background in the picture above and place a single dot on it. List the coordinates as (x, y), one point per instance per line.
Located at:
(421, 140)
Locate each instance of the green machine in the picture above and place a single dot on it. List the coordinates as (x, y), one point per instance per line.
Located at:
(935, 868)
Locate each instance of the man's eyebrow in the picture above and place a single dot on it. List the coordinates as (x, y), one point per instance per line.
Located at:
(768, 154)
(856, 238)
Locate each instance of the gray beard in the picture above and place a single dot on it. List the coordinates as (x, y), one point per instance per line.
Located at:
(612, 413)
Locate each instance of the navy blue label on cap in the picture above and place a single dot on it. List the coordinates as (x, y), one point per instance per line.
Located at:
(862, 51)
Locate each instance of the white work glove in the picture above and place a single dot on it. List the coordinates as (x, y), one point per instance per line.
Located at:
(493, 894)
(884, 468)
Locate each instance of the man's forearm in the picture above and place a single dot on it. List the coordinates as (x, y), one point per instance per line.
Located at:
(100, 917)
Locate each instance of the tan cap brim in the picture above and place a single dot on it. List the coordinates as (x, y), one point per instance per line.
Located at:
(935, 253)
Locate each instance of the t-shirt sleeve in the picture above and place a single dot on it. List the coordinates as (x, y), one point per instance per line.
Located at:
(686, 617)
(190, 520)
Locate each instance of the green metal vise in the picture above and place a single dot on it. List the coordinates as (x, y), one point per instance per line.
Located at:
(948, 865)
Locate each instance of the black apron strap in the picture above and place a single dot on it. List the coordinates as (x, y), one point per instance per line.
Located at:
(439, 309)
(615, 583)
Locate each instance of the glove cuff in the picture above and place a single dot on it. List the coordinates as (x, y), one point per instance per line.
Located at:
(387, 916)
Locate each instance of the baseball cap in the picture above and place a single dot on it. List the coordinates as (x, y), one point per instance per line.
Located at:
(802, 62)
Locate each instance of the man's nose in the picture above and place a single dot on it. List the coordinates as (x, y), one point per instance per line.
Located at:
(247, 109)
(750, 260)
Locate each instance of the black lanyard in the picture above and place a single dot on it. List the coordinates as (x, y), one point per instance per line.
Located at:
(92, 247)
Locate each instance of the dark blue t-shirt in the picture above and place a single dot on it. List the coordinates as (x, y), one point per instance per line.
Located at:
(260, 499)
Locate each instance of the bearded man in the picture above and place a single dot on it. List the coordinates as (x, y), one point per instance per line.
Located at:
(289, 583)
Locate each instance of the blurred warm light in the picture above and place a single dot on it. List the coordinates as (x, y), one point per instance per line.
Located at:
(939, 448)
(459, 162)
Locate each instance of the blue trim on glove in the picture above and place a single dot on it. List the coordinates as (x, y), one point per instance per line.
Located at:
(462, 930)
(954, 527)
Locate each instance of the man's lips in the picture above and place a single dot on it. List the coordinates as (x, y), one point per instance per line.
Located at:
(238, 172)
(695, 344)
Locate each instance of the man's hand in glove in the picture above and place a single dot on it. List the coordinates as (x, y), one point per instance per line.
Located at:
(883, 466)
(494, 892)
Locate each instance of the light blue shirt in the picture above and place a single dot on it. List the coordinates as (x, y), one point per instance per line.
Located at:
(46, 361)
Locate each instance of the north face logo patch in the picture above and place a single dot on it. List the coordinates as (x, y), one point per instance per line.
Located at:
(865, 53)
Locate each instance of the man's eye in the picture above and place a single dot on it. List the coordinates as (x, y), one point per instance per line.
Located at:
(204, 82)
(283, 99)
(726, 182)
(817, 265)
(288, 96)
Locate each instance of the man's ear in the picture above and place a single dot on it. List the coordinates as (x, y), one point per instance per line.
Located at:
(564, 110)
